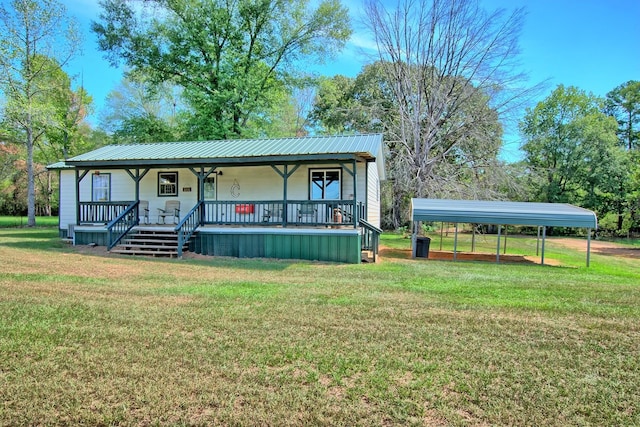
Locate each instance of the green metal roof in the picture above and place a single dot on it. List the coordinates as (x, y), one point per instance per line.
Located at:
(235, 151)
(502, 213)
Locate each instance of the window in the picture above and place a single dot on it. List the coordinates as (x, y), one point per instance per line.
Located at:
(167, 183)
(100, 187)
(210, 188)
(325, 184)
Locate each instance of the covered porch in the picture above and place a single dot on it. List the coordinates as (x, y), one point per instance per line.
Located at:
(309, 186)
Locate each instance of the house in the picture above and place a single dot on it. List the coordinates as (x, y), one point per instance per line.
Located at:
(314, 198)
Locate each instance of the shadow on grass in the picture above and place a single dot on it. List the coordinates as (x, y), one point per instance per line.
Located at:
(30, 233)
(43, 245)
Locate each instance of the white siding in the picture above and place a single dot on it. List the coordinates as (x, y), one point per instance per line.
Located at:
(67, 210)
(373, 196)
(149, 191)
(245, 183)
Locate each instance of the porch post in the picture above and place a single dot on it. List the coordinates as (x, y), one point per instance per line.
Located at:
(136, 178)
(202, 175)
(77, 197)
(285, 176)
(356, 216)
(79, 177)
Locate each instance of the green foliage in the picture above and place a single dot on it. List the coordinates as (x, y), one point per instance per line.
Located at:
(571, 145)
(623, 103)
(228, 57)
(37, 39)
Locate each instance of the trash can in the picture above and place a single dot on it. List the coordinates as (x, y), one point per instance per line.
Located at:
(422, 247)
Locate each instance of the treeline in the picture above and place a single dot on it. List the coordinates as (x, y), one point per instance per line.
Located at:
(221, 70)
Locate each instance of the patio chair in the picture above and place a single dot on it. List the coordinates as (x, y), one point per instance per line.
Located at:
(308, 213)
(143, 211)
(272, 213)
(171, 209)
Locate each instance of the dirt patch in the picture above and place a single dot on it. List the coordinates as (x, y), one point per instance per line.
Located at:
(598, 247)
(467, 256)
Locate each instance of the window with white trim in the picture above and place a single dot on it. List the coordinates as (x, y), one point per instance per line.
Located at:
(324, 184)
(100, 187)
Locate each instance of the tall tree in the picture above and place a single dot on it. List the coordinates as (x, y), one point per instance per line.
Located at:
(30, 31)
(228, 56)
(623, 103)
(139, 111)
(368, 103)
(440, 57)
(572, 144)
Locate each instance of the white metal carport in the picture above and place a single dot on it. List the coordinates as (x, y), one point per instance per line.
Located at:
(502, 213)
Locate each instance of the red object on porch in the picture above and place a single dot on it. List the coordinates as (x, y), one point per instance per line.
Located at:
(245, 209)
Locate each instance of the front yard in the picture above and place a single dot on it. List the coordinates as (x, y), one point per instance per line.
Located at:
(102, 340)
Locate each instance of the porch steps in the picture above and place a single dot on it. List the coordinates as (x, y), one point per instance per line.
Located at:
(150, 242)
(367, 256)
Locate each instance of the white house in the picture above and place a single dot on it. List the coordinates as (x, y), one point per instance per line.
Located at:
(306, 198)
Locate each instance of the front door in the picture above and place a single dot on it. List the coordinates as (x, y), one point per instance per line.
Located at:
(210, 188)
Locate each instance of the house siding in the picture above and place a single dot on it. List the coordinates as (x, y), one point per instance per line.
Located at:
(373, 195)
(67, 209)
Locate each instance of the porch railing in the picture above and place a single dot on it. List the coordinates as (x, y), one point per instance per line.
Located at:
(276, 212)
(122, 224)
(188, 225)
(101, 212)
(370, 238)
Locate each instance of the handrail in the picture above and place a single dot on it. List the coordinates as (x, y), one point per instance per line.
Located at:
(188, 225)
(309, 213)
(370, 238)
(122, 224)
(101, 212)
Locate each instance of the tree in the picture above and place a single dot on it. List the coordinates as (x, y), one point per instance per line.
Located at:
(31, 31)
(368, 103)
(139, 111)
(228, 56)
(623, 103)
(572, 145)
(451, 70)
(63, 133)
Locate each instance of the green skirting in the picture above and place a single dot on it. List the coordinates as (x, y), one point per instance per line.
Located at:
(324, 246)
(86, 237)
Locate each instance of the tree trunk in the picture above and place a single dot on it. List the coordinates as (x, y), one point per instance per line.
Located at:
(31, 187)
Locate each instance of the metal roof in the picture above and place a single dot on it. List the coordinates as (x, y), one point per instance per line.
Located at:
(368, 147)
(502, 213)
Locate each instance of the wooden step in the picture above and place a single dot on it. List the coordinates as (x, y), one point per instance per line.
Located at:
(169, 254)
(150, 242)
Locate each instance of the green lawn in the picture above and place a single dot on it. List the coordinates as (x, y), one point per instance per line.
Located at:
(88, 339)
(21, 221)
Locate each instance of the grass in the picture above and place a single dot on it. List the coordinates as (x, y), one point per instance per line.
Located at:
(92, 340)
(21, 221)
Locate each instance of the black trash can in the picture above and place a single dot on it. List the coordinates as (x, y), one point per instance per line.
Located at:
(422, 247)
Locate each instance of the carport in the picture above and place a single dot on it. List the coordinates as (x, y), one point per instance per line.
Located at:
(501, 213)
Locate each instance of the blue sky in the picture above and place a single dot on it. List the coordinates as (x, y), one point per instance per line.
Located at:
(591, 44)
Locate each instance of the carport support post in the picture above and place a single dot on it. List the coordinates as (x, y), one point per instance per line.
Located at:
(588, 247)
(498, 248)
(414, 239)
(441, 233)
(473, 237)
(538, 243)
(455, 244)
(544, 236)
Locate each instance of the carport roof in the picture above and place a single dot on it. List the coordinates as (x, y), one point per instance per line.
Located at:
(502, 213)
